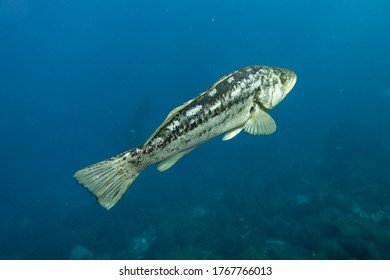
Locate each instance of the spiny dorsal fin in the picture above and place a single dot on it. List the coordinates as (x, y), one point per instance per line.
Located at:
(259, 122)
(223, 78)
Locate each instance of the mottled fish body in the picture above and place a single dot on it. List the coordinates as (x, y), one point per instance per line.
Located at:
(238, 101)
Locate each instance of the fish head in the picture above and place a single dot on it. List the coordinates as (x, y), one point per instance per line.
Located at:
(275, 86)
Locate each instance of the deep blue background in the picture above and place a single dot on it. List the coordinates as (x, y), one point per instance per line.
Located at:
(81, 81)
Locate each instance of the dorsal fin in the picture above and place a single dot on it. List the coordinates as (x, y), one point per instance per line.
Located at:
(177, 109)
(168, 119)
(223, 78)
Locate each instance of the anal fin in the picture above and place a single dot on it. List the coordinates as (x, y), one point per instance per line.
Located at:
(167, 163)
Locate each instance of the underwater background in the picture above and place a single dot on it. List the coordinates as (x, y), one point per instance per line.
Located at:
(81, 81)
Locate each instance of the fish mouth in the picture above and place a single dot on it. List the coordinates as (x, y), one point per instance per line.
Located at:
(290, 78)
(291, 81)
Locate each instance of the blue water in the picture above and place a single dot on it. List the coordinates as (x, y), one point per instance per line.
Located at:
(81, 81)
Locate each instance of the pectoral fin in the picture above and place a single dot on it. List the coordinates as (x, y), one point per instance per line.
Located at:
(231, 133)
(259, 122)
(167, 163)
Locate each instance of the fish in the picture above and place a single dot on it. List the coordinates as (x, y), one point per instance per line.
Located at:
(238, 101)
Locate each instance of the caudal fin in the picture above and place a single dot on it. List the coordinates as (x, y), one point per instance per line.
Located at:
(108, 180)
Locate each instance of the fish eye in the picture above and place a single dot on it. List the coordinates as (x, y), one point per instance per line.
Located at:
(283, 79)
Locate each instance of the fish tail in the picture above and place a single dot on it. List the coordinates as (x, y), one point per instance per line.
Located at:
(108, 180)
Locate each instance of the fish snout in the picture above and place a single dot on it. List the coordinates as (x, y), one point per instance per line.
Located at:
(287, 80)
